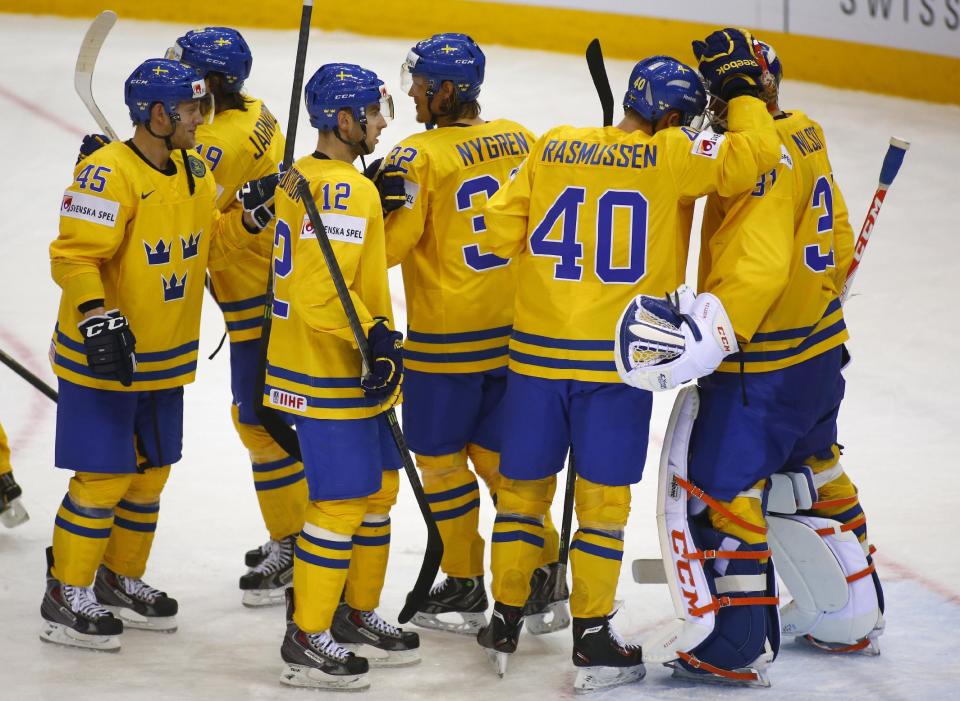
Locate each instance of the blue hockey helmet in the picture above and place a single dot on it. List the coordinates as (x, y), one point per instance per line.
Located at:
(450, 56)
(164, 81)
(660, 84)
(337, 86)
(215, 49)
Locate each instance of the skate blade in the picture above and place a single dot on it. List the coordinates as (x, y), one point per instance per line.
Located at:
(868, 647)
(257, 598)
(596, 678)
(760, 681)
(63, 635)
(384, 658)
(498, 660)
(132, 619)
(555, 617)
(469, 623)
(313, 678)
(15, 514)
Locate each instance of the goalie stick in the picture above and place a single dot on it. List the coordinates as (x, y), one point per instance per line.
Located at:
(284, 436)
(434, 550)
(888, 171)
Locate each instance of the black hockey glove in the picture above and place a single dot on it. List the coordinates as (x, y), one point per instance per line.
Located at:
(109, 344)
(389, 182)
(91, 143)
(386, 350)
(256, 196)
(728, 63)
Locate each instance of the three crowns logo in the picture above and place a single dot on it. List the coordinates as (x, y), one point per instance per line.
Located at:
(173, 289)
(159, 255)
(190, 246)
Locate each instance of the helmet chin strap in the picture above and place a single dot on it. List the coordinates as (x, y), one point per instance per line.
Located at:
(454, 108)
(360, 146)
(174, 118)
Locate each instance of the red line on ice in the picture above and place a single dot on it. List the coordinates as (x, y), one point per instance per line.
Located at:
(39, 111)
(39, 404)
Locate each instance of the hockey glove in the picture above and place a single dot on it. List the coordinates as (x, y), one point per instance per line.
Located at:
(109, 344)
(728, 63)
(663, 344)
(256, 196)
(91, 143)
(386, 351)
(389, 182)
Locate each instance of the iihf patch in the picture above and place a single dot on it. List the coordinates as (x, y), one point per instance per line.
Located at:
(288, 400)
(196, 166)
(707, 144)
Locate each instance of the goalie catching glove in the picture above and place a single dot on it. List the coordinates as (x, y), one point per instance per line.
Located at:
(662, 343)
(109, 345)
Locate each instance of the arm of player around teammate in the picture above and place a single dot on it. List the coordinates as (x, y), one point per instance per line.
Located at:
(728, 163)
(751, 250)
(844, 238)
(507, 212)
(312, 291)
(405, 225)
(238, 227)
(93, 218)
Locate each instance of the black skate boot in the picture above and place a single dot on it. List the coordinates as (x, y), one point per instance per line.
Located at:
(602, 656)
(135, 602)
(464, 597)
(500, 637)
(547, 608)
(265, 583)
(254, 557)
(365, 633)
(318, 661)
(72, 616)
(12, 511)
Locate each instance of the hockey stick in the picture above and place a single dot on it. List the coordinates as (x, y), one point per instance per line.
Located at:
(434, 550)
(284, 436)
(598, 72)
(87, 61)
(888, 171)
(46, 389)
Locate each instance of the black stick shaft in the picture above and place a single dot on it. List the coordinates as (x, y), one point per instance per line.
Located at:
(598, 71)
(39, 384)
(294, 115)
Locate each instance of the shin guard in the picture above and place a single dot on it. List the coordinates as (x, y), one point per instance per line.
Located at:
(454, 497)
(371, 547)
(518, 536)
(135, 523)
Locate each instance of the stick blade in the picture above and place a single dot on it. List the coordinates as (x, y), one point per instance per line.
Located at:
(649, 571)
(598, 72)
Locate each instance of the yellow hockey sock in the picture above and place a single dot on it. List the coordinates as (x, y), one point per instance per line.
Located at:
(596, 549)
(277, 478)
(837, 496)
(742, 516)
(135, 523)
(518, 536)
(486, 463)
(83, 525)
(371, 547)
(322, 559)
(4, 453)
(454, 497)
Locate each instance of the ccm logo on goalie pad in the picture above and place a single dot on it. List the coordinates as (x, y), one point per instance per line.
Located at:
(288, 400)
(707, 144)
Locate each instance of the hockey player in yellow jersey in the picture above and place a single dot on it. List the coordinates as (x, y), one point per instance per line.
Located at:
(12, 511)
(138, 228)
(459, 314)
(243, 142)
(776, 258)
(313, 374)
(593, 216)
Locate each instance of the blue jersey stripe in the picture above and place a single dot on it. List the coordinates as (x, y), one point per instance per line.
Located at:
(461, 337)
(562, 363)
(328, 402)
(244, 324)
(143, 357)
(243, 304)
(311, 380)
(461, 357)
(790, 334)
(145, 376)
(773, 355)
(562, 343)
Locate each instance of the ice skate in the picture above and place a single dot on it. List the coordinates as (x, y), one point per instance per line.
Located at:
(547, 610)
(366, 634)
(460, 600)
(12, 510)
(135, 602)
(869, 646)
(72, 616)
(500, 637)
(254, 557)
(603, 658)
(318, 661)
(265, 583)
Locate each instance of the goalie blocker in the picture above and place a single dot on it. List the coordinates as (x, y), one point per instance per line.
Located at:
(727, 627)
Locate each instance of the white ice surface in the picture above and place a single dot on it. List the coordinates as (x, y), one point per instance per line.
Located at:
(899, 422)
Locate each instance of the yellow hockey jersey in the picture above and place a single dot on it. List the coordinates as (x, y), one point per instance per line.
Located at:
(240, 146)
(313, 363)
(777, 256)
(598, 215)
(135, 237)
(459, 294)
